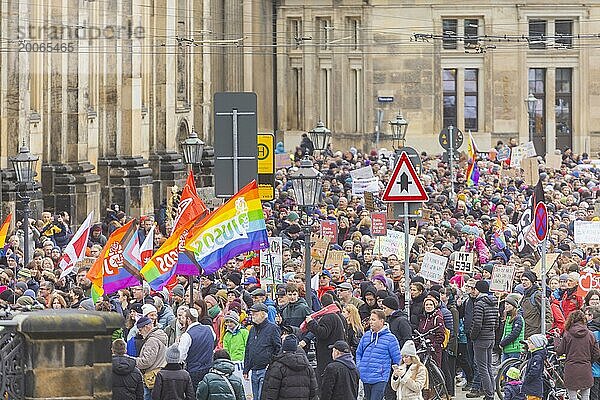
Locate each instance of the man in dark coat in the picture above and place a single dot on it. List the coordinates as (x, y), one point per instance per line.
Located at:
(290, 376)
(173, 382)
(328, 329)
(340, 378)
(400, 326)
(127, 381)
(483, 334)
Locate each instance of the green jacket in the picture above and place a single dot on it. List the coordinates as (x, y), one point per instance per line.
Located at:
(514, 333)
(235, 343)
(214, 386)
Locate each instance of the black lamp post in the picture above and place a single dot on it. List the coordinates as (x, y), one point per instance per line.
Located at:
(399, 127)
(320, 136)
(24, 165)
(192, 149)
(531, 102)
(307, 188)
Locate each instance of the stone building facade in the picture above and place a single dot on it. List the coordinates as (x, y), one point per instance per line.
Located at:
(355, 63)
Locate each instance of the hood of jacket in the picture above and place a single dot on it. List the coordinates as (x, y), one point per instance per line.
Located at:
(488, 299)
(578, 330)
(294, 361)
(376, 335)
(224, 366)
(398, 314)
(420, 298)
(347, 360)
(123, 365)
(299, 303)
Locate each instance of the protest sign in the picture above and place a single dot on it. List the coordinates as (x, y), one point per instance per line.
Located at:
(369, 201)
(335, 258)
(502, 278)
(86, 263)
(520, 152)
(531, 173)
(587, 232)
(271, 261)
(318, 249)
(433, 267)
(392, 243)
(362, 173)
(463, 262)
(378, 224)
(360, 186)
(282, 161)
(587, 282)
(329, 230)
(550, 260)
(553, 161)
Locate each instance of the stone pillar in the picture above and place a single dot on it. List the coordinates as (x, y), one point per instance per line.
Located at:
(66, 353)
(167, 171)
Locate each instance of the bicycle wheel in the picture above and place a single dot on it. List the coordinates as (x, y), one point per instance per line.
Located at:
(501, 375)
(437, 383)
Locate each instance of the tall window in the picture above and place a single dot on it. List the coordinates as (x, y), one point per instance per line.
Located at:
(564, 101)
(449, 84)
(325, 32)
(471, 31)
(563, 30)
(471, 99)
(294, 32)
(537, 33)
(183, 53)
(353, 29)
(537, 86)
(450, 28)
(296, 99)
(325, 98)
(356, 99)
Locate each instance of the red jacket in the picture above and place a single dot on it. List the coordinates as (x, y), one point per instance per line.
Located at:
(570, 302)
(558, 319)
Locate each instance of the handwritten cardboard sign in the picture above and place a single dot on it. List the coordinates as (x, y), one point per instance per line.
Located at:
(502, 278)
(392, 243)
(335, 258)
(463, 262)
(433, 267)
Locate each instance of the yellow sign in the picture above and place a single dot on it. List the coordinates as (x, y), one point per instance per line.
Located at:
(266, 153)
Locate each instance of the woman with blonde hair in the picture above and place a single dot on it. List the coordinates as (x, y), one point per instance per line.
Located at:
(355, 328)
(410, 377)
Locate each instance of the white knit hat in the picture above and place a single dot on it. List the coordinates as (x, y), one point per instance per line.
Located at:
(409, 349)
(148, 308)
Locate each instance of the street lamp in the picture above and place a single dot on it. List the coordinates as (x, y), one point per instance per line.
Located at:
(320, 136)
(24, 165)
(399, 127)
(531, 102)
(306, 183)
(192, 149)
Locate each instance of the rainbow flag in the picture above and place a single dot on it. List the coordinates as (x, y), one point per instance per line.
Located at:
(236, 227)
(4, 230)
(118, 265)
(499, 238)
(472, 174)
(162, 266)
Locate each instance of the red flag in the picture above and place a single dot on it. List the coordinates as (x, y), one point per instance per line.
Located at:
(190, 206)
(147, 248)
(252, 259)
(75, 250)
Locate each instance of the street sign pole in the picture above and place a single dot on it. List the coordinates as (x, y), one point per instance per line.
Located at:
(451, 160)
(406, 262)
(544, 286)
(541, 232)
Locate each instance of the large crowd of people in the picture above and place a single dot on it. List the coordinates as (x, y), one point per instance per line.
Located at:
(238, 339)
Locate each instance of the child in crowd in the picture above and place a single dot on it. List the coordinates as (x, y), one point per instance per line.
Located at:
(533, 384)
(512, 389)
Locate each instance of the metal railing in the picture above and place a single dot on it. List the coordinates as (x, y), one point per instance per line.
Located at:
(12, 362)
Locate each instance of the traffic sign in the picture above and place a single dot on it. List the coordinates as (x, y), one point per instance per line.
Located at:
(541, 221)
(266, 166)
(404, 186)
(413, 156)
(457, 138)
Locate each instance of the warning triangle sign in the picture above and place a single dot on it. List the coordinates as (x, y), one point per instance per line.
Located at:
(404, 186)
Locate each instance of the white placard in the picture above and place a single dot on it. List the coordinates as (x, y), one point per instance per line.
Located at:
(362, 173)
(463, 262)
(502, 278)
(392, 243)
(433, 267)
(360, 186)
(587, 232)
(521, 151)
(266, 271)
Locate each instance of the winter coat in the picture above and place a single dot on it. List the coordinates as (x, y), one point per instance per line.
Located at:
(532, 379)
(581, 350)
(375, 354)
(235, 343)
(152, 353)
(434, 323)
(173, 332)
(214, 387)
(594, 327)
(340, 379)
(290, 377)
(485, 318)
(328, 329)
(570, 302)
(294, 314)
(467, 310)
(173, 383)
(127, 383)
(531, 304)
(264, 341)
(479, 247)
(400, 326)
(512, 391)
(416, 309)
(514, 333)
(165, 316)
(558, 318)
(407, 387)
(272, 309)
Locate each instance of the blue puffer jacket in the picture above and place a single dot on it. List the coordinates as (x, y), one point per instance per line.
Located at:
(376, 353)
(533, 384)
(512, 391)
(594, 326)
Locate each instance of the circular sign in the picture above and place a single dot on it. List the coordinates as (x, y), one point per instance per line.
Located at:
(457, 138)
(413, 156)
(263, 151)
(541, 221)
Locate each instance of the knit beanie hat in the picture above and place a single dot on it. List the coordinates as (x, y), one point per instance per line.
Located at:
(172, 355)
(290, 343)
(513, 299)
(538, 340)
(233, 317)
(143, 321)
(482, 286)
(409, 349)
(530, 275)
(178, 290)
(391, 302)
(573, 276)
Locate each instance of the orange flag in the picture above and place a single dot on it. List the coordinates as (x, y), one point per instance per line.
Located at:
(190, 206)
(4, 230)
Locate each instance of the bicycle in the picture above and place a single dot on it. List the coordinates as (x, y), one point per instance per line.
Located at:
(437, 383)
